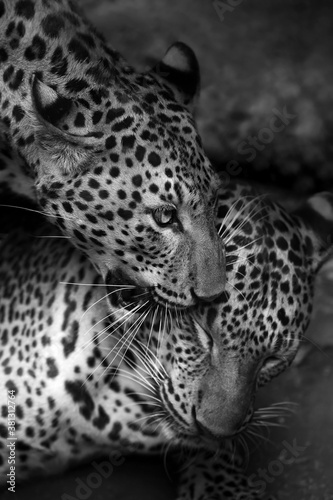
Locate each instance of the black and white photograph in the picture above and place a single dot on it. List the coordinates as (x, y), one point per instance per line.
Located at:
(166, 249)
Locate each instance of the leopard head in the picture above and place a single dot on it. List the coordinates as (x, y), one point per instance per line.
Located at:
(120, 168)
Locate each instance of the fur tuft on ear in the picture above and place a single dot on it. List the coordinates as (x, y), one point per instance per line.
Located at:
(317, 214)
(179, 68)
(54, 116)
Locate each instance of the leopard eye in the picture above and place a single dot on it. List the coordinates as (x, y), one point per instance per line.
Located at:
(165, 216)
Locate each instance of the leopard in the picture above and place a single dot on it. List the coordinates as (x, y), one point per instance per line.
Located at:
(83, 383)
(110, 155)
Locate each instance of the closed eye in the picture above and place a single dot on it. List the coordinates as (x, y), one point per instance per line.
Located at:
(271, 362)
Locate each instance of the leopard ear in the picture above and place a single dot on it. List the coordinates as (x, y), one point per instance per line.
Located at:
(179, 68)
(60, 129)
(317, 214)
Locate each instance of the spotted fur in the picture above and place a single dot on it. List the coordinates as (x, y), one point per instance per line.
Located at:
(86, 383)
(111, 156)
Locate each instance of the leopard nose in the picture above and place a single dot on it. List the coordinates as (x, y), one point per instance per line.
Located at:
(205, 298)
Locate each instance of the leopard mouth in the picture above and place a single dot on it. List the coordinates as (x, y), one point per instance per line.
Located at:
(126, 293)
(131, 294)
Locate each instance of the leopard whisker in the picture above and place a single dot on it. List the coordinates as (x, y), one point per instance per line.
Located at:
(104, 297)
(40, 212)
(258, 422)
(257, 435)
(165, 453)
(137, 380)
(317, 346)
(234, 231)
(104, 330)
(237, 291)
(155, 374)
(150, 356)
(231, 208)
(240, 212)
(152, 326)
(59, 236)
(131, 332)
(135, 403)
(152, 415)
(96, 284)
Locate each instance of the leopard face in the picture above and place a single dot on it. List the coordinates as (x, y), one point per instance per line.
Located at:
(219, 356)
(114, 155)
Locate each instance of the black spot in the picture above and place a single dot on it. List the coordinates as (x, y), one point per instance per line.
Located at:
(8, 73)
(76, 85)
(78, 50)
(285, 287)
(108, 215)
(128, 142)
(125, 214)
(22, 446)
(19, 411)
(137, 180)
(3, 55)
(79, 120)
(110, 142)
(80, 395)
(102, 420)
(2, 9)
(4, 337)
(67, 207)
(30, 432)
(282, 243)
(123, 124)
(52, 25)
(113, 114)
(59, 63)
(103, 194)
(86, 195)
(36, 50)
(294, 258)
(78, 235)
(121, 194)
(93, 184)
(25, 8)
(97, 117)
(154, 159)
(136, 196)
(281, 314)
(18, 113)
(114, 434)
(69, 342)
(140, 153)
(10, 385)
(52, 371)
